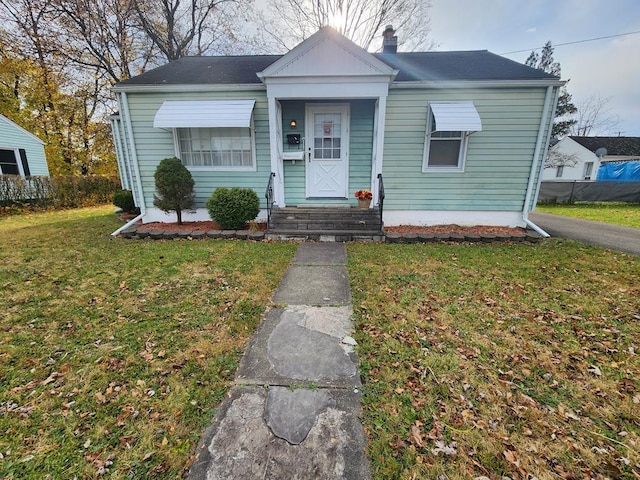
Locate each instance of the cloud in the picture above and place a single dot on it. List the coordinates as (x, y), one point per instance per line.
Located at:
(531, 30)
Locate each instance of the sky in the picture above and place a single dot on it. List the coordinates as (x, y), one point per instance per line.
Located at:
(605, 68)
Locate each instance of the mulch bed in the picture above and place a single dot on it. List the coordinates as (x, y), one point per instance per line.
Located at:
(206, 226)
(457, 230)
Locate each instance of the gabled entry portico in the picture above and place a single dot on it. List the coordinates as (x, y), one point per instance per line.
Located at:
(330, 76)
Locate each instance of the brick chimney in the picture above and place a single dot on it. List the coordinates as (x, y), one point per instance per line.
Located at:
(389, 40)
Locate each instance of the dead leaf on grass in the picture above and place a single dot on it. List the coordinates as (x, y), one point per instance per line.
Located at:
(51, 378)
(442, 447)
(416, 436)
(595, 370)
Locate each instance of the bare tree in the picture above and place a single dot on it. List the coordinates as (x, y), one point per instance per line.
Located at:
(594, 116)
(288, 22)
(103, 36)
(187, 27)
(558, 159)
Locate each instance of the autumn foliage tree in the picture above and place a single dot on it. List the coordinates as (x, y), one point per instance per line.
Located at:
(58, 59)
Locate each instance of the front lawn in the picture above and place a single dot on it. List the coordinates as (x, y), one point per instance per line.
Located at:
(499, 361)
(625, 214)
(115, 353)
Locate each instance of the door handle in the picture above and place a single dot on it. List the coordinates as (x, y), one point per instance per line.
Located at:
(309, 154)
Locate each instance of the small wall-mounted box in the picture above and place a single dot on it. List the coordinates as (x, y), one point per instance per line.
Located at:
(293, 139)
(293, 156)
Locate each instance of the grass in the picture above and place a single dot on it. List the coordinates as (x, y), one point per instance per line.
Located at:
(625, 214)
(114, 354)
(518, 361)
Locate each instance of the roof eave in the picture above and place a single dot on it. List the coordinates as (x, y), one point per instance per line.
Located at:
(199, 87)
(477, 83)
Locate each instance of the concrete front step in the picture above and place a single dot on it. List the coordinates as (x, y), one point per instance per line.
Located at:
(340, 222)
(326, 235)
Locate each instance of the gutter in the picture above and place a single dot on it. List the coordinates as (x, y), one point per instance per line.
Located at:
(124, 111)
(476, 83)
(535, 164)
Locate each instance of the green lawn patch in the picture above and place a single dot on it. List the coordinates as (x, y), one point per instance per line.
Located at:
(115, 353)
(625, 214)
(519, 361)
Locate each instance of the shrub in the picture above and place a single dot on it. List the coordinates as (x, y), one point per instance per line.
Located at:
(61, 191)
(174, 184)
(231, 208)
(124, 200)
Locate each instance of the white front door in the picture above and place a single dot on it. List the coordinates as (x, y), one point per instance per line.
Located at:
(327, 142)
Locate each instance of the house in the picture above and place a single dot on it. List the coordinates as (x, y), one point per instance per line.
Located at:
(594, 158)
(453, 137)
(21, 152)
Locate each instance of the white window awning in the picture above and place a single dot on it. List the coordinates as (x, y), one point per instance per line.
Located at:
(456, 117)
(204, 113)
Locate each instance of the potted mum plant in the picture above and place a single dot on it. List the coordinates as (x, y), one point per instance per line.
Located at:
(364, 198)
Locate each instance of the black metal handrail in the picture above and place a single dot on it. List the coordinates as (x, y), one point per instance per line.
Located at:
(269, 195)
(380, 195)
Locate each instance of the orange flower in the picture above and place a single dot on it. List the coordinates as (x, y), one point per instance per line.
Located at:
(364, 195)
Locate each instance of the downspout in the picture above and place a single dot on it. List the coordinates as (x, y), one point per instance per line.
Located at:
(134, 159)
(535, 163)
(124, 178)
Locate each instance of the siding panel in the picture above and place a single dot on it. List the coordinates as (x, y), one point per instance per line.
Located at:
(155, 144)
(498, 158)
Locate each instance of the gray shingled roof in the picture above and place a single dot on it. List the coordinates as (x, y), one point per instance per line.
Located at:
(418, 66)
(617, 146)
(466, 65)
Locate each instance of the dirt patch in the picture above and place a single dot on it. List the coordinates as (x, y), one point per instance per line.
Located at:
(456, 229)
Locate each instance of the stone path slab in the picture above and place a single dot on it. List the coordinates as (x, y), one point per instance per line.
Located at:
(294, 412)
(321, 254)
(240, 444)
(317, 285)
(301, 344)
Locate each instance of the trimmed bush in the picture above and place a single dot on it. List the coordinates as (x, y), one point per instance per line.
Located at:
(124, 200)
(231, 208)
(61, 191)
(174, 184)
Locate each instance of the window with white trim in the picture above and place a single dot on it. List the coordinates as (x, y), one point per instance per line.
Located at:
(9, 163)
(559, 171)
(443, 150)
(219, 148)
(588, 170)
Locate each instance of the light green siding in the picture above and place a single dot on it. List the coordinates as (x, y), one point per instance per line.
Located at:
(13, 137)
(360, 150)
(154, 144)
(498, 160)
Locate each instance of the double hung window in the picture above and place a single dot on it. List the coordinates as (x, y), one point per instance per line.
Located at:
(448, 126)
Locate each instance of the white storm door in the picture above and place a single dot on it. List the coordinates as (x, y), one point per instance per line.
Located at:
(327, 142)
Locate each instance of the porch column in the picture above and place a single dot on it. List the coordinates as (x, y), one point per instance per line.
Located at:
(274, 145)
(378, 144)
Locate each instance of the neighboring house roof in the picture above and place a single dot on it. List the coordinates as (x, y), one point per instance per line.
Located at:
(479, 65)
(18, 127)
(616, 146)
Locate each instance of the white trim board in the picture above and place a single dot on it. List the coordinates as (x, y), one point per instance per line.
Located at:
(452, 217)
(154, 214)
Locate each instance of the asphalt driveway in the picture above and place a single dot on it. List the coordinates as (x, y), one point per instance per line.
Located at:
(614, 237)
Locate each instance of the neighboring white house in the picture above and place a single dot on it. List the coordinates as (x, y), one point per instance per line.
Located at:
(581, 158)
(21, 152)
